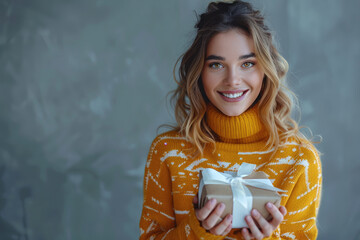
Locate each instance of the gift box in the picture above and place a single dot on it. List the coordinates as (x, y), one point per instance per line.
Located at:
(240, 191)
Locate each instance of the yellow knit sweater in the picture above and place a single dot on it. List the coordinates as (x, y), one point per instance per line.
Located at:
(171, 178)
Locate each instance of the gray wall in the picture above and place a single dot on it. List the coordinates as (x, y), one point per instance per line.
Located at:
(83, 88)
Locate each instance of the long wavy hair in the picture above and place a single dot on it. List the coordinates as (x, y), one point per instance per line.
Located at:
(275, 100)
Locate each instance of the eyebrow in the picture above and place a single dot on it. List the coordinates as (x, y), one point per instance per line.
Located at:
(214, 57)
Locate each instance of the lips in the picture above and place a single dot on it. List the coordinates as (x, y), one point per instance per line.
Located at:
(233, 96)
(233, 92)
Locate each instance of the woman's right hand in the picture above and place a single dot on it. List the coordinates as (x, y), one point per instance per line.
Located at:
(209, 215)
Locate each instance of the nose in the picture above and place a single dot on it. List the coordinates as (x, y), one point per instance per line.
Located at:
(233, 77)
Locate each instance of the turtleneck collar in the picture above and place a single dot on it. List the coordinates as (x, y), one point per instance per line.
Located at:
(246, 128)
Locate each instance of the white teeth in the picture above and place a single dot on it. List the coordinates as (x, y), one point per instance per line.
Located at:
(236, 95)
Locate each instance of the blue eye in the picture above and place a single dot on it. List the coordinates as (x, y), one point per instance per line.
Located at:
(215, 65)
(248, 65)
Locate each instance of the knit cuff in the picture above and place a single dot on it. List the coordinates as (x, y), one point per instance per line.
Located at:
(198, 230)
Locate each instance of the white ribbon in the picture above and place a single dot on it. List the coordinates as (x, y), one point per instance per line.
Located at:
(242, 198)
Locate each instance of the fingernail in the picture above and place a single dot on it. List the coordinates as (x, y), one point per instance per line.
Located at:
(269, 205)
(255, 212)
(213, 201)
(222, 206)
(229, 217)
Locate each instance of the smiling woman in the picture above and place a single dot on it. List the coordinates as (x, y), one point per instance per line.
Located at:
(232, 107)
(232, 81)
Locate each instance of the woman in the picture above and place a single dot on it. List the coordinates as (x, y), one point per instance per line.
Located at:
(232, 107)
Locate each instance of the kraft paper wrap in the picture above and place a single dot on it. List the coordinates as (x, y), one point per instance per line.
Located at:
(223, 193)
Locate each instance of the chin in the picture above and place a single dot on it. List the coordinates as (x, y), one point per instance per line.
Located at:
(232, 113)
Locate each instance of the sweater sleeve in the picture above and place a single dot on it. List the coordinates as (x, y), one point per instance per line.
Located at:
(304, 200)
(158, 218)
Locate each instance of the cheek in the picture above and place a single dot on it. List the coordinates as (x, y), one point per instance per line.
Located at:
(208, 82)
(256, 80)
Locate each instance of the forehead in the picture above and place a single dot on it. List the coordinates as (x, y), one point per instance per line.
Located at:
(230, 44)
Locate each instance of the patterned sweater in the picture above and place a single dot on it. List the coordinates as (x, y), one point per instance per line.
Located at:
(171, 178)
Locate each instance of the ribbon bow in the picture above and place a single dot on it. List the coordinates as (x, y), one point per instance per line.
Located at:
(242, 197)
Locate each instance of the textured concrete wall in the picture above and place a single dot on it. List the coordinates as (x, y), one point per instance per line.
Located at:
(83, 87)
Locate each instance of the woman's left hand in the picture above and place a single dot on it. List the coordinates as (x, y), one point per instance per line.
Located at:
(266, 228)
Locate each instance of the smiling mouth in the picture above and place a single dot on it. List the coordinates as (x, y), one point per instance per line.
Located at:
(233, 95)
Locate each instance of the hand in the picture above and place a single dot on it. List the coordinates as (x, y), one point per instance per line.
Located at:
(266, 228)
(209, 215)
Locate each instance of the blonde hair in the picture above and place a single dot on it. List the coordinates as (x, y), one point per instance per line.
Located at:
(275, 99)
